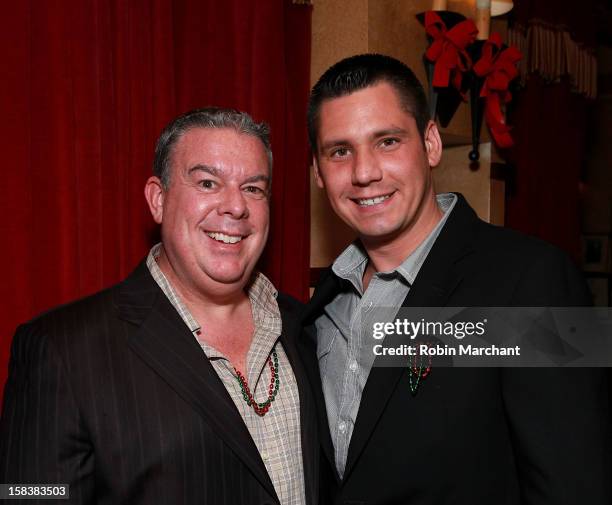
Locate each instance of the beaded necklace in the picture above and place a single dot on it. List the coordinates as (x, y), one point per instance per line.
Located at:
(418, 370)
(261, 409)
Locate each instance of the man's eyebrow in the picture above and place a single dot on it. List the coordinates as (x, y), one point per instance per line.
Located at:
(205, 168)
(375, 135)
(257, 178)
(334, 143)
(389, 131)
(217, 172)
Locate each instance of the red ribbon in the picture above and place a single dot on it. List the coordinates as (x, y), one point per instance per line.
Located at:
(448, 49)
(498, 67)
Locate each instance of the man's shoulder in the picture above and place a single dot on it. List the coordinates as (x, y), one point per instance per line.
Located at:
(83, 319)
(513, 244)
(530, 265)
(485, 237)
(502, 266)
(95, 303)
(74, 329)
(289, 306)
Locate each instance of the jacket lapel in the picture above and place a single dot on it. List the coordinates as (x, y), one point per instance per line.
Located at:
(308, 419)
(328, 287)
(439, 276)
(163, 342)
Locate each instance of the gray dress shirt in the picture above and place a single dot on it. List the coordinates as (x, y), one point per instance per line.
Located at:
(344, 348)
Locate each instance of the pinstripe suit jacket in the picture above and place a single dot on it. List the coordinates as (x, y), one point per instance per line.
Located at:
(113, 396)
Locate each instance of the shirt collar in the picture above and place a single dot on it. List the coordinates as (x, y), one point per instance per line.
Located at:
(260, 290)
(352, 262)
(168, 290)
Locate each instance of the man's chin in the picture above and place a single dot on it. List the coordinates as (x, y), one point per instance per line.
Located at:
(230, 276)
(378, 236)
(230, 279)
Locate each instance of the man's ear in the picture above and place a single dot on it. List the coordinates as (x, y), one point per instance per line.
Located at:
(317, 174)
(154, 194)
(433, 144)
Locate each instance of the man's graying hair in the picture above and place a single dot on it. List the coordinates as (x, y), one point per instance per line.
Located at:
(209, 117)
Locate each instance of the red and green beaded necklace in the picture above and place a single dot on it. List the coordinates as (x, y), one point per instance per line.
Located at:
(418, 370)
(261, 409)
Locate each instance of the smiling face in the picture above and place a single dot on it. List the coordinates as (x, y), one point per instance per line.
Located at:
(375, 167)
(214, 215)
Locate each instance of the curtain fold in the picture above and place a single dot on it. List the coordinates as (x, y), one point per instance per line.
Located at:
(550, 122)
(549, 116)
(557, 39)
(87, 87)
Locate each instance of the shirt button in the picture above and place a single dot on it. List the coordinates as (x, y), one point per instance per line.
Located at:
(264, 456)
(342, 427)
(353, 366)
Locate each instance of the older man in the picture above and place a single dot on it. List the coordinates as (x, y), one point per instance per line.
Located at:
(180, 385)
(461, 436)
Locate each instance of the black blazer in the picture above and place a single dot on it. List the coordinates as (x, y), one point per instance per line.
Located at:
(113, 395)
(478, 435)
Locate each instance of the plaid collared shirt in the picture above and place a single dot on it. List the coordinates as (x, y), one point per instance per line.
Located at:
(277, 434)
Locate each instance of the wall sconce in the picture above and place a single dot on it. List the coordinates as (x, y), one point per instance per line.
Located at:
(498, 7)
(463, 60)
(501, 7)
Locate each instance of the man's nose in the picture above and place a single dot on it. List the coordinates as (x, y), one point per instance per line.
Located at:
(233, 203)
(366, 168)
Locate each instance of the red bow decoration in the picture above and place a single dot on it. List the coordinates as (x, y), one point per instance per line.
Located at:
(498, 67)
(448, 49)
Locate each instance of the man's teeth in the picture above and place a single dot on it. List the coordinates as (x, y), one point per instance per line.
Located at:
(222, 237)
(372, 201)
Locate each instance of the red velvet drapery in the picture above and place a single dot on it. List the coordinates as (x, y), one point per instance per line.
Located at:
(86, 88)
(550, 122)
(578, 18)
(550, 119)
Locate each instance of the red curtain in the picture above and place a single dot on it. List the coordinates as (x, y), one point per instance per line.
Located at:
(87, 87)
(550, 122)
(578, 18)
(550, 132)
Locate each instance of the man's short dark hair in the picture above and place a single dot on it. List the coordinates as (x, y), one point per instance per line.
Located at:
(209, 117)
(359, 72)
